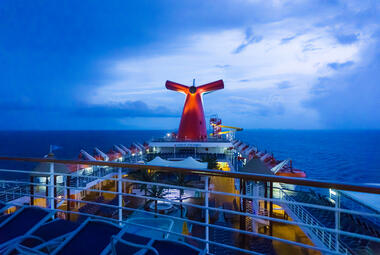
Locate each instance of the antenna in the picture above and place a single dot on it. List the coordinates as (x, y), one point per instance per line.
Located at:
(194, 82)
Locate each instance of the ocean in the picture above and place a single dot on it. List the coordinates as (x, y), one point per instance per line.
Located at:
(347, 156)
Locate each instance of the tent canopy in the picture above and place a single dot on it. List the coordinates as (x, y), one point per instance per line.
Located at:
(186, 163)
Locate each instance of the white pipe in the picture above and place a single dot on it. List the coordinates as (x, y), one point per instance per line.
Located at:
(119, 149)
(87, 155)
(102, 154)
(125, 149)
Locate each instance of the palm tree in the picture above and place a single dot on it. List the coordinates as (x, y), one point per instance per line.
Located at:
(180, 180)
(144, 175)
(156, 192)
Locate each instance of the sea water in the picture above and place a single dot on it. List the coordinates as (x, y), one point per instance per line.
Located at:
(348, 156)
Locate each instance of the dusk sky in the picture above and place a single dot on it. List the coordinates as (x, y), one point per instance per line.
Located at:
(103, 64)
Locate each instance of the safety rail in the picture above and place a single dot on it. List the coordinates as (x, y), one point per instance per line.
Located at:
(131, 196)
(327, 238)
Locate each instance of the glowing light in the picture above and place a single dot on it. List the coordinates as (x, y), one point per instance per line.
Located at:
(332, 192)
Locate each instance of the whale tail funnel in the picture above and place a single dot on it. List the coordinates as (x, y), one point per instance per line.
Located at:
(193, 123)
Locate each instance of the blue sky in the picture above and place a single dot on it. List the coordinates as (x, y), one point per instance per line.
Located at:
(103, 64)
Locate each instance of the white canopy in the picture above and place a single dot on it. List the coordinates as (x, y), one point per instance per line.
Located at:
(186, 163)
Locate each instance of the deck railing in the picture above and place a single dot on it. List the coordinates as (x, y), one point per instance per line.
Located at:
(203, 209)
(328, 239)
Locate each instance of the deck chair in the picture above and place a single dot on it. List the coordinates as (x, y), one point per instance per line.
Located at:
(91, 237)
(167, 247)
(126, 243)
(4, 217)
(4, 207)
(132, 244)
(122, 246)
(47, 236)
(22, 222)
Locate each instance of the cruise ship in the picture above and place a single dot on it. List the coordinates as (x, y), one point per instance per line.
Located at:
(199, 190)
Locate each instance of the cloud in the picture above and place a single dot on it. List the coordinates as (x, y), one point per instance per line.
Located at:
(266, 108)
(321, 87)
(223, 66)
(271, 69)
(284, 60)
(347, 38)
(288, 39)
(123, 110)
(350, 99)
(284, 85)
(115, 110)
(338, 66)
(250, 38)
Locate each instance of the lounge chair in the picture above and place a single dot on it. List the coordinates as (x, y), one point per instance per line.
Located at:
(48, 235)
(91, 237)
(4, 217)
(151, 247)
(167, 247)
(22, 222)
(127, 243)
(131, 244)
(49, 231)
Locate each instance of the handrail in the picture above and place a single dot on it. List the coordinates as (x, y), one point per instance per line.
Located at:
(304, 213)
(247, 176)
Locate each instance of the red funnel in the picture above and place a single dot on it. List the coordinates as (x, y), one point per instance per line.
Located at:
(193, 123)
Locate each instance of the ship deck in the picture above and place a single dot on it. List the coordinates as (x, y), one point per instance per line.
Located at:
(258, 217)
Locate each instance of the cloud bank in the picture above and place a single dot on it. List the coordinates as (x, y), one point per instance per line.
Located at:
(286, 64)
(272, 72)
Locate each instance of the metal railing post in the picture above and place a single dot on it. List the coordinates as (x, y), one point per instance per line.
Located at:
(68, 208)
(32, 190)
(207, 214)
(51, 187)
(64, 187)
(47, 191)
(337, 220)
(77, 172)
(119, 190)
(55, 201)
